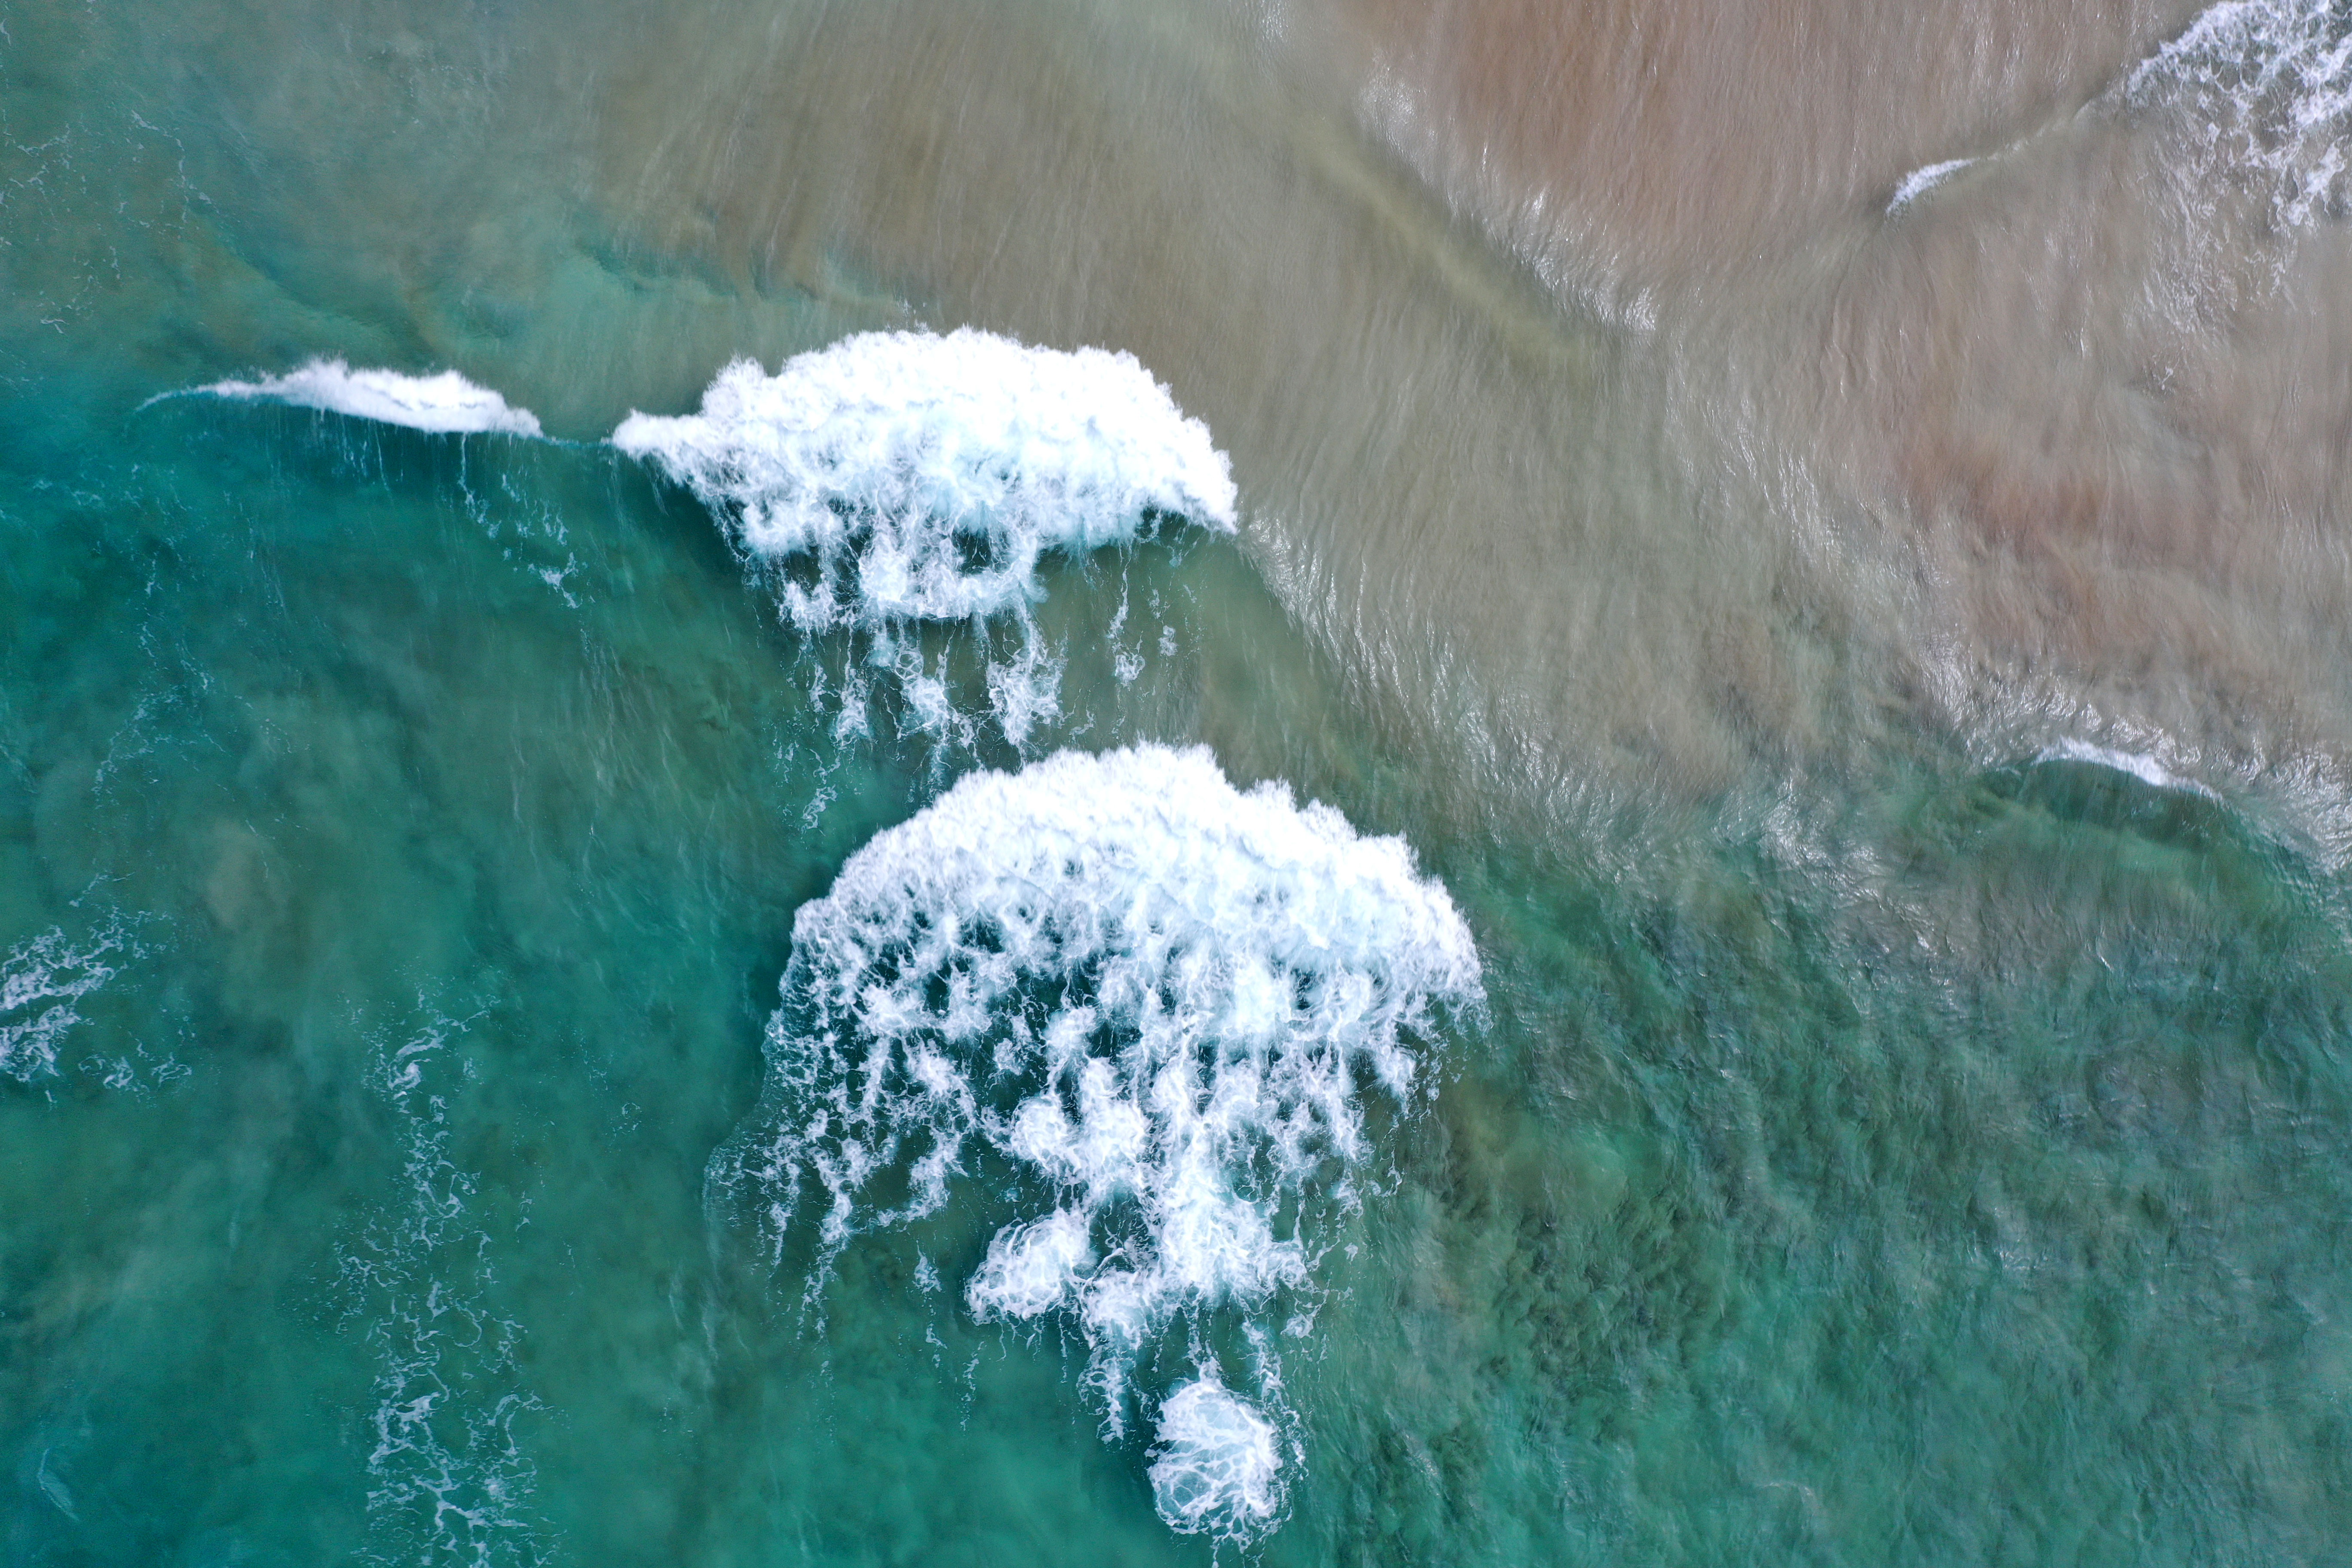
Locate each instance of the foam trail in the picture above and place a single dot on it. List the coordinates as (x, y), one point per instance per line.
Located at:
(924, 476)
(1217, 1470)
(1156, 994)
(446, 404)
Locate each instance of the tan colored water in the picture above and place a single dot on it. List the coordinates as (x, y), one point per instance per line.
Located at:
(1671, 145)
(1579, 342)
(1585, 393)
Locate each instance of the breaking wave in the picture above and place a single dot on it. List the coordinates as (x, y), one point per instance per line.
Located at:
(923, 477)
(445, 404)
(895, 478)
(1154, 997)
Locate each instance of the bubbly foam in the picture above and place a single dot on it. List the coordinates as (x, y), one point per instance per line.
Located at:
(40, 983)
(923, 476)
(449, 1478)
(1217, 1470)
(446, 404)
(1155, 995)
(2268, 85)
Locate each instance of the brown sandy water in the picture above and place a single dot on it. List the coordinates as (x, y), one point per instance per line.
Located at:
(1579, 343)
(2088, 397)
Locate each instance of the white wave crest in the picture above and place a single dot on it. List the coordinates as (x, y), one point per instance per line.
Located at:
(1156, 994)
(1919, 182)
(1218, 1468)
(446, 404)
(2267, 84)
(2140, 765)
(923, 477)
(40, 983)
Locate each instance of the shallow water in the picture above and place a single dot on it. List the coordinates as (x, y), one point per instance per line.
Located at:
(1870, 684)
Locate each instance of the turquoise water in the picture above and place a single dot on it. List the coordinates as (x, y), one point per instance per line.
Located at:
(1925, 1160)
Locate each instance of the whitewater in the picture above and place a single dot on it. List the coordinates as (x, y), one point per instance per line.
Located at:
(1048, 782)
(1162, 999)
(922, 477)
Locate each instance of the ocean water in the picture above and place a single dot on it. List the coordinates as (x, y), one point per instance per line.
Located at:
(1066, 782)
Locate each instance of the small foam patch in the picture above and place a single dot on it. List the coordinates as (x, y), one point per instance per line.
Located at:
(1217, 1470)
(41, 982)
(1919, 182)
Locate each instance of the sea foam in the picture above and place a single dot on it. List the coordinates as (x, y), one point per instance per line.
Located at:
(922, 477)
(42, 982)
(1157, 996)
(446, 404)
(1218, 1466)
(2266, 84)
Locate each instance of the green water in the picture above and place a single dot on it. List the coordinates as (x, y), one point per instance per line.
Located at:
(1940, 1164)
